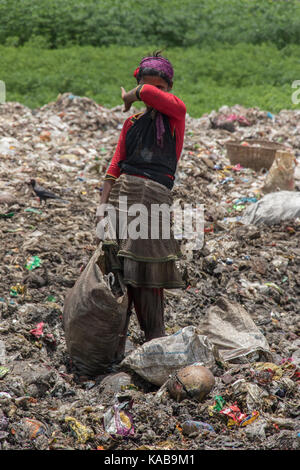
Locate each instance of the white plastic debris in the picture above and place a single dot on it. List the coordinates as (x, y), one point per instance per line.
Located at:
(273, 209)
(160, 357)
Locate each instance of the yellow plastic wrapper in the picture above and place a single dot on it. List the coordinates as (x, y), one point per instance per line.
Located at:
(82, 432)
(254, 415)
(125, 420)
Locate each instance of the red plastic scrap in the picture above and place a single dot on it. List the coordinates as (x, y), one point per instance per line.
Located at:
(240, 119)
(38, 331)
(237, 167)
(235, 413)
(297, 376)
(237, 417)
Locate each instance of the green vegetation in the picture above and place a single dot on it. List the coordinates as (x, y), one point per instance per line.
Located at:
(167, 23)
(223, 51)
(205, 78)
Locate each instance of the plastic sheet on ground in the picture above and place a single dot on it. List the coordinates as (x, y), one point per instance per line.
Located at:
(158, 358)
(273, 209)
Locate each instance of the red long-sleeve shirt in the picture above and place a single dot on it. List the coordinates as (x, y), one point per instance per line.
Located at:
(163, 102)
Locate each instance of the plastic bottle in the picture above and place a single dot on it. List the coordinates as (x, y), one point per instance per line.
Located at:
(189, 426)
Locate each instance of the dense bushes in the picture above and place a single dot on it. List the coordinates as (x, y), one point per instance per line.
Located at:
(165, 23)
(205, 78)
(224, 51)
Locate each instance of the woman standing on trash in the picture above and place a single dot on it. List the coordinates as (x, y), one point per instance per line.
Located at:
(143, 170)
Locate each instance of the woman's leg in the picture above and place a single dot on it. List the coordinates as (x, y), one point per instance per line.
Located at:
(123, 335)
(149, 307)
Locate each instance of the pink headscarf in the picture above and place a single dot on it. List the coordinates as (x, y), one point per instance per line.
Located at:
(161, 65)
(157, 63)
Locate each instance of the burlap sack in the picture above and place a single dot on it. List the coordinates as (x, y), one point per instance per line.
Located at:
(95, 320)
(231, 329)
(281, 174)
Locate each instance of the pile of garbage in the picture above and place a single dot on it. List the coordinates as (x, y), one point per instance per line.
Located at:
(226, 376)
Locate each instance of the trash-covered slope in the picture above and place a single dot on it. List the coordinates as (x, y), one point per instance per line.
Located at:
(66, 146)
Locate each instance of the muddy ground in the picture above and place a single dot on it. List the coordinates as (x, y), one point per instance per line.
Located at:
(44, 402)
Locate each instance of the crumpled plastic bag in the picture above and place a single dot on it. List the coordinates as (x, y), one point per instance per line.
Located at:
(118, 419)
(250, 394)
(231, 329)
(157, 359)
(94, 320)
(273, 209)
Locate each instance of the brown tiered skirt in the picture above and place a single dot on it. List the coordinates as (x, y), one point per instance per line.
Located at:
(147, 265)
(143, 262)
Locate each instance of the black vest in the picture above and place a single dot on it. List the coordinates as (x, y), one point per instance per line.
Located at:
(144, 156)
